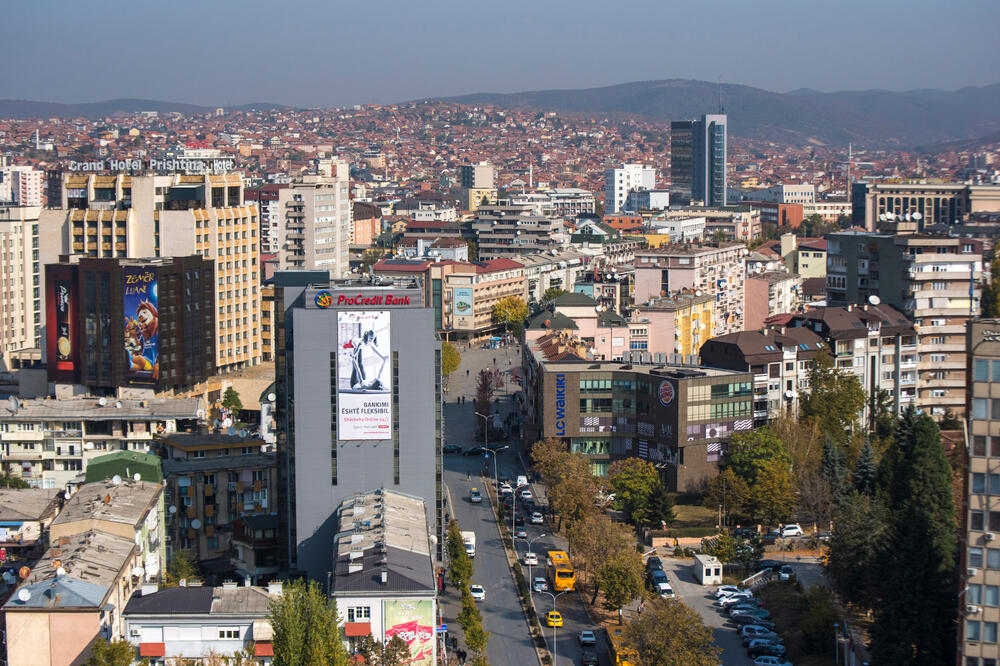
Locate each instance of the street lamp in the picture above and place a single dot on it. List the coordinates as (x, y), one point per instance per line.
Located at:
(494, 452)
(836, 642)
(531, 581)
(486, 429)
(554, 597)
(513, 508)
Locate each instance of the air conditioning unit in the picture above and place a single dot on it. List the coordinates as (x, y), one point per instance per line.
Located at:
(989, 536)
(135, 631)
(970, 572)
(973, 609)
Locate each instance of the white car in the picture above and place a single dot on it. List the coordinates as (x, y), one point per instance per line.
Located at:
(664, 590)
(587, 637)
(792, 530)
(768, 660)
(522, 480)
(505, 488)
(726, 590)
(478, 592)
(527, 496)
(537, 518)
(540, 584)
(530, 559)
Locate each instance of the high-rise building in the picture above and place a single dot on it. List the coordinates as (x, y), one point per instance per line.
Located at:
(979, 599)
(20, 185)
(269, 208)
(178, 215)
(315, 231)
(359, 406)
(933, 280)
(698, 154)
(619, 182)
(480, 176)
(20, 281)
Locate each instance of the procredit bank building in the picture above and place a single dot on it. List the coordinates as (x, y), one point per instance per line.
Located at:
(359, 404)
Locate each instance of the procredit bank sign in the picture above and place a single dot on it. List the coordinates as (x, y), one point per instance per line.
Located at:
(171, 164)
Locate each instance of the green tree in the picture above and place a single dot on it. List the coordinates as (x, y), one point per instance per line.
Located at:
(552, 293)
(670, 633)
(473, 250)
(750, 451)
(729, 491)
(460, 565)
(115, 653)
(182, 566)
(860, 529)
(8, 481)
(818, 618)
(511, 311)
(450, 358)
(395, 651)
(917, 580)
(304, 622)
(949, 421)
(620, 576)
(865, 470)
(633, 481)
(833, 400)
(884, 421)
(990, 301)
(732, 549)
(572, 495)
(231, 400)
(660, 509)
(774, 493)
(834, 468)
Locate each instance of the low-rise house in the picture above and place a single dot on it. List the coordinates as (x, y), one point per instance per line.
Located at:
(25, 514)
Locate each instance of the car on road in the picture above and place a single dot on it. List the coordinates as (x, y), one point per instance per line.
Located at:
(540, 584)
(744, 620)
(759, 613)
(475, 496)
(587, 638)
(537, 518)
(505, 489)
(770, 660)
(589, 658)
(451, 448)
(520, 533)
(518, 519)
(773, 565)
(653, 563)
(478, 592)
(664, 590)
(726, 590)
(786, 573)
(527, 495)
(771, 537)
(762, 647)
(522, 480)
(474, 451)
(553, 619)
(793, 530)
(530, 559)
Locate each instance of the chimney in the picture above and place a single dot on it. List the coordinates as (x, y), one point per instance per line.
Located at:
(149, 588)
(274, 589)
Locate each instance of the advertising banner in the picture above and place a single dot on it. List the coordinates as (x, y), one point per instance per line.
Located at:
(64, 325)
(413, 621)
(62, 332)
(364, 375)
(462, 301)
(142, 325)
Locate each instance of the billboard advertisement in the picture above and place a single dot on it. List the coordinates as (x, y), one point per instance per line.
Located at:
(413, 621)
(142, 325)
(62, 333)
(462, 299)
(364, 375)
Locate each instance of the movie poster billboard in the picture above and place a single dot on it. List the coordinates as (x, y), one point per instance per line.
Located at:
(62, 331)
(462, 301)
(413, 621)
(364, 375)
(142, 325)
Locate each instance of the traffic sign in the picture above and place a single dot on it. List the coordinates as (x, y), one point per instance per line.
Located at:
(443, 628)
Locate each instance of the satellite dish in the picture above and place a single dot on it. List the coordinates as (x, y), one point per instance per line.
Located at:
(117, 480)
(196, 524)
(882, 217)
(227, 422)
(231, 431)
(917, 216)
(23, 595)
(118, 404)
(13, 404)
(89, 446)
(138, 572)
(271, 397)
(789, 394)
(60, 572)
(102, 401)
(242, 433)
(137, 477)
(907, 217)
(874, 300)
(201, 413)
(172, 509)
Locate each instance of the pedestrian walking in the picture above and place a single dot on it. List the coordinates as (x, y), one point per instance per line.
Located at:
(466, 372)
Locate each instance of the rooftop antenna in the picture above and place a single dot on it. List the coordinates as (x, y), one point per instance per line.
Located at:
(722, 109)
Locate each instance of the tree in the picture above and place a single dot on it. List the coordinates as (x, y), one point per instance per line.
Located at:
(460, 565)
(181, 567)
(774, 492)
(751, 450)
(473, 250)
(231, 400)
(949, 421)
(918, 579)
(304, 623)
(633, 481)
(621, 577)
(734, 549)
(660, 509)
(511, 312)
(729, 491)
(815, 498)
(802, 439)
(991, 292)
(834, 468)
(818, 618)
(885, 418)
(552, 293)
(450, 358)
(833, 400)
(547, 455)
(670, 633)
(485, 387)
(395, 651)
(859, 533)
(865, 470)
(572, 496)
(115, 653)
(8, 481)
(595, 539)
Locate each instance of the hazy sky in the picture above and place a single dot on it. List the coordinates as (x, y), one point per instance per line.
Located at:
(329, 52)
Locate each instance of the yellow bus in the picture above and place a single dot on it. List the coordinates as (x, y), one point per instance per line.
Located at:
(561, 574)
(621, 654)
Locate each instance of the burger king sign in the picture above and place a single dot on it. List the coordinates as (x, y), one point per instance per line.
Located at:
(666, 393)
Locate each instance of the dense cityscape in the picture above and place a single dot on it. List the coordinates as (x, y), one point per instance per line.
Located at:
(720, 395)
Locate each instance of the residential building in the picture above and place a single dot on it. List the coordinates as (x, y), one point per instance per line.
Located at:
(316, 223)
(619, 182)
(20, 185)
(680, 229)
(26, 514)
(788, 215)
(805, 256)
(118, 325)
(267, 199)
(801, 193)
(125, 464)
(366, 225)
(605, 331)
(937, 203)
(698, 151)
(544, 271)
(255, 546)
(473, 198)
(570, 201)
(73, 595)
(679, 418)
(673, 326)
(267, 321)
(195, 622)
(48, 443)
(610, 286)
(478, 176)
(647, 200)
(714, 268)
(735, 222)
(979, 562)
(829, 209)
(770, 293)
(178, 215)
(454, 249)
(934, 280)
(368, 416)
(20, 281)
(384, 582)
(780, 360)
(503, 231)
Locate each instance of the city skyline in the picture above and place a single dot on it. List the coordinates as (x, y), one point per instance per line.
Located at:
(252, 61)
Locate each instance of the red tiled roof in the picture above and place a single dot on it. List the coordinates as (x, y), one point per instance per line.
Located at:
(401, 267)
(498, 265)
(264, 649)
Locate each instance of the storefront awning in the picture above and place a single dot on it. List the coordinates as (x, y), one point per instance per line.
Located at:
(355, 629)
(152, 649)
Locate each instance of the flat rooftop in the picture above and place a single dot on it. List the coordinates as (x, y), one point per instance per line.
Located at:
(125, 503)
(90, 409)
(26, 503)
(664, 370)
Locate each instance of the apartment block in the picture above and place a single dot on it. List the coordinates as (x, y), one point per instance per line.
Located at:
(937, 203)
(20, 185)
(619, 182)
(769, 293)
(266, 197)
(315, 231)
(478, 176)
(784, 194)
(20, 281)
(675, 324)
(933, 280)
(502, 231)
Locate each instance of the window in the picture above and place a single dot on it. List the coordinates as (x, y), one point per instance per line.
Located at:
(976, 557)
(359, 613)
(976, 520)
(993, 558)
(229, 632)
(971, 630)
(989, 632)
(979, 409)
(974, 593)
(994, 521)
(978, 483)
(992, 595)
(996, 371)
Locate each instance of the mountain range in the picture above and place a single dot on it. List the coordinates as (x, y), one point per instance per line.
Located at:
(803, 116)
(22, 109)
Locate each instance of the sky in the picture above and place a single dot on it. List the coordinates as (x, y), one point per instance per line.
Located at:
(321, 53)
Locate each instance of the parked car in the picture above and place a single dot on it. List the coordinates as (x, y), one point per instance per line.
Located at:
(743, 603)
(505, 488)
(793, 530)
(587, 638)
(540, 584)
(520, 533)
(824, 536)
(553, 619)
(786, 573)
(474, 451)
(530, 559)
(770, 660)
(740, 608)
(726, 590)
(451, 448)
(518, 519)
(589, 658)
(657, 576)
(478, 592)
(744, 533)
(653, 563)
(771, 537)
(537, 518)
(761, 647)
(744, 620)
(773, 565)
(664, 590)
(754, 631)
(759, 613)
(733, 599)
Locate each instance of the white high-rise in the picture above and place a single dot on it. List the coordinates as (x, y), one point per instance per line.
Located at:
(20, 185)
(315, 233)
(619, 182)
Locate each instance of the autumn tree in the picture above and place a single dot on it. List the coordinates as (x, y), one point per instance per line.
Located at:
(394, 652)
(729, 491)
(833, 400)
(304, 623)
(671, 633)
(460, 565)
(802, 439)
(548, 455)
(450, 358)
(621, 578)
(114, 653)
(511, 311)
(750, 451)
(181, 567)
(552, 293)
(633, 480)
(572, 495)
(594, 539)
(990, 300)
(774, 493)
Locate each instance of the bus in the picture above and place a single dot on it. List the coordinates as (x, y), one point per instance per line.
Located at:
(561, 574)
(621, 654)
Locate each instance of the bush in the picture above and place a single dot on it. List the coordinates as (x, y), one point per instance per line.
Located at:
(678, 552)
(818, 619)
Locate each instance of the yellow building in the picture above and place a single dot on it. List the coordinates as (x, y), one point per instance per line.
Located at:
(472, 197)
(679, 324)
(653, 241)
